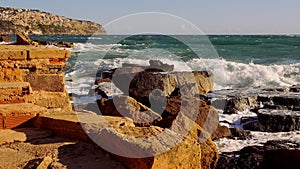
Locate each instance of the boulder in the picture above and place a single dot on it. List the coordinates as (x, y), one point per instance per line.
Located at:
(239, 104)
(269, 120)
(203, 79)
(65, 45)
(125, 106)
(279, 120)
(288, 101)
(105, 90)
(240, 134)
(273, 154)
(198, 111)
(148, 147)
(184, 126)
(23, 39)
(141, 85)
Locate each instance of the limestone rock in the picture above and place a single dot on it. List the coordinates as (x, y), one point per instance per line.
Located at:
(193, 108)
(105, 89)
(188, 128)
(124, 106)
(203, 80)
(150, 147)
(142, 84)
(10, 136)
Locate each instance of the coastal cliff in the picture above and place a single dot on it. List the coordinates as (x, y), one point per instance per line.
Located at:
(37, 22)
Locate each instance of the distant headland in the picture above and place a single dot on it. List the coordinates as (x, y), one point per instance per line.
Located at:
(40, 23)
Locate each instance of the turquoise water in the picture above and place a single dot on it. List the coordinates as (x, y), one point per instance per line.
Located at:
(236, 61)
(259, 49)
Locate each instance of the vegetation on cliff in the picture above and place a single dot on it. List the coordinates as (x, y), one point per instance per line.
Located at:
(38, 22)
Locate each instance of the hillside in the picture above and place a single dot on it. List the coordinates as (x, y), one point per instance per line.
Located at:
(38, 22)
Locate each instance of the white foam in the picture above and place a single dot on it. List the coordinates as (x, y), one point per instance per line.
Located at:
(230, 145)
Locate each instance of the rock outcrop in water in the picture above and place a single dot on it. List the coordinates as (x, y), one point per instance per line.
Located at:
(37, 22)
(273, 154)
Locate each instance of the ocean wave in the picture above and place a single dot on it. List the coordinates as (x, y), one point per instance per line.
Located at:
(239, 75)
(90, 47)
(227, 74)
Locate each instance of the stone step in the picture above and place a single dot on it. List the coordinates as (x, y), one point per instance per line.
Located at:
(13, 92)
(13, 115)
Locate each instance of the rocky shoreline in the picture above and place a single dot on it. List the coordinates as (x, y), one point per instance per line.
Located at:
(257, 112)
(158, 118)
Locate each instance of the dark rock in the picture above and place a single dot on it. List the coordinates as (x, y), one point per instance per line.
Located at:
(279, 120)
(295, 89)
(273, 154)
(221, 132)
(145, 83)
(240, 134)
(98, 81)
(124, 106)
(65, 45)
(5, 38)
(269, 120)
(233, 101)
(23, 39)
(288, 101)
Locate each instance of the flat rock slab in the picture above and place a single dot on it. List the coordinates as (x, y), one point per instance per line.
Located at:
(11, 136)
(22, 135)
(279, 120)
(14, 115)
(21, 109)
(24, 52)
(15, 88)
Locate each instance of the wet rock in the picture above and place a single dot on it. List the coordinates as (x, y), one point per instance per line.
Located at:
(65, 45)
(240, 134)
(124, 106)
(233, 101)
(287, 101)
(279, 120)
(273, 154)
(269, 120)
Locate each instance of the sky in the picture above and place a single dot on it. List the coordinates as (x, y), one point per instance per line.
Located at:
(210, 16)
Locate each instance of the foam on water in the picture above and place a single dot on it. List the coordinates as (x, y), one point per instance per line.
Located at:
(227, 74)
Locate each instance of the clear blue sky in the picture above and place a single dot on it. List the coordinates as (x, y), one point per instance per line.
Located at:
(211, 16)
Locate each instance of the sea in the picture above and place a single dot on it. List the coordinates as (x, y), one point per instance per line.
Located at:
(237, 61)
